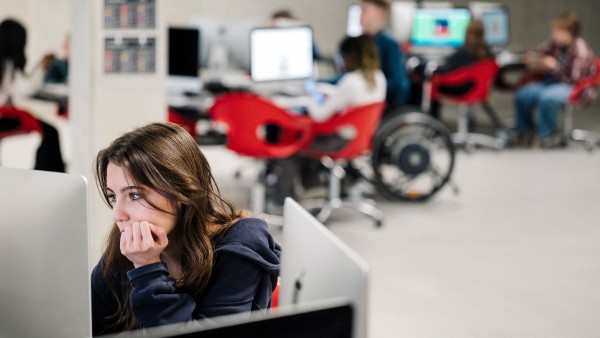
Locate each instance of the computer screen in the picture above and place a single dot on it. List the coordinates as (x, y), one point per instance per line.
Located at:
(439, 27)
(44, 283)
(316, 265)
(233, 33)
(353, 26)
(183, 47)
(496, 26)
(183, 53)
(332, 319)
(279, 54)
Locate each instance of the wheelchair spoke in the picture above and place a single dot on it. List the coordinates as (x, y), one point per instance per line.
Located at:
(436, 174)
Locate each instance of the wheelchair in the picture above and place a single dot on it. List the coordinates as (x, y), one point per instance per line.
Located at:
(412, 156)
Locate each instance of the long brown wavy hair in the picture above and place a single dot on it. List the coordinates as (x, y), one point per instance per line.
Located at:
(165, 158)
(474, 39)
(360, 53)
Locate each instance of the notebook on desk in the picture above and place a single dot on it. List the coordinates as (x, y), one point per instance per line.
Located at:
(44, 283)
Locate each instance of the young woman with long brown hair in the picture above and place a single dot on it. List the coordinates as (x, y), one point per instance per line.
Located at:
(177, 250)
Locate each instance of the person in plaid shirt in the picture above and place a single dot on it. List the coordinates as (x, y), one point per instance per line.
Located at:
(562, 60)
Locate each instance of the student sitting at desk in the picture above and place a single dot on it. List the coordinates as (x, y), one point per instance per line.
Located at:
(16, 84)
(362, 83)
(473, 50)
(177, 250)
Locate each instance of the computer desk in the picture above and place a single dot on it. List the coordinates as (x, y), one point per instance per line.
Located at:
(57, 93)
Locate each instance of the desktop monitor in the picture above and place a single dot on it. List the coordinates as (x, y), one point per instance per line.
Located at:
(496, 22)
(331, 319)
(183, 55)
(316, 265)
(44, 283)
(353, 26)
(280, 54)
(233, 33)
(439, 27)
(496, 26)
(183, 51)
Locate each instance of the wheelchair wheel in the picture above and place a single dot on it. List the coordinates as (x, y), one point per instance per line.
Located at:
(412, 157)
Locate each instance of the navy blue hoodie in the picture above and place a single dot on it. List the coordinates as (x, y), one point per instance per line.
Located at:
(244, 275)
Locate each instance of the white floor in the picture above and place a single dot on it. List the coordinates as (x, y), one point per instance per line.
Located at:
(514, 254)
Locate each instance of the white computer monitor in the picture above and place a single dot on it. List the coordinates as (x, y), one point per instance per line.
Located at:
(316, 265)
(439, 27)
(281, 53)
(45, 278)
(353, 26)
(232, 32)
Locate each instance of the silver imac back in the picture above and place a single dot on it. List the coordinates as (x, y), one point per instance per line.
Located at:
(316, 265)
(44, 283)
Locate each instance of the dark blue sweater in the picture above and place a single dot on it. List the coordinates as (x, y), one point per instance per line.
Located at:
(392, 64)
(243, 278)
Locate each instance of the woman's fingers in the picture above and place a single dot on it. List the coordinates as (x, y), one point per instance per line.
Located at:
(160, 235)
(146, 235)
(142, 243)
(123, 243)
(136, 237)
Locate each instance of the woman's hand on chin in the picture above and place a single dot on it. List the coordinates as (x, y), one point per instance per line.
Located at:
(142, 243)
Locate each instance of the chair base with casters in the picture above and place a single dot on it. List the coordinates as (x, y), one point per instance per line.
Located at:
(335, 201)
(470, 140)
(480, 76)
(590, 139)
(362, 122)
(412, 157)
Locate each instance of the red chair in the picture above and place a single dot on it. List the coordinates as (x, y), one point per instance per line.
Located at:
(187, 123)
(363, 121)
(589, 138)
(246, 117)
(275, 297)
(481, 75)
(25, 122)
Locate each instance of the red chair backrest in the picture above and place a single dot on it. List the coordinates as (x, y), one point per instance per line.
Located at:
(27, 122)
(586, 82)
(363, 119)
(481, 74)
(247, 115)
(187, 124)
